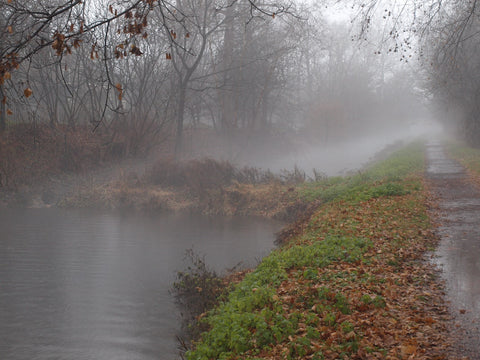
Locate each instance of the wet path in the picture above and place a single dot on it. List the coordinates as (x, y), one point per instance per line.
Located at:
(458, 254)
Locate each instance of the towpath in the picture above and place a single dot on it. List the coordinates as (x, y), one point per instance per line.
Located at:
(458, 254)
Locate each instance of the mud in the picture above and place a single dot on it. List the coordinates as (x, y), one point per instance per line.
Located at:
(458, 254)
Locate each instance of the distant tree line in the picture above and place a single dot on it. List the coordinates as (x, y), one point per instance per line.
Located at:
(146, 71)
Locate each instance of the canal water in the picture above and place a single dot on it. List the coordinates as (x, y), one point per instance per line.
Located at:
(89, 285)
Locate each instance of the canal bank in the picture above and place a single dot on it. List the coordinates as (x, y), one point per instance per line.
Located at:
(353, 281)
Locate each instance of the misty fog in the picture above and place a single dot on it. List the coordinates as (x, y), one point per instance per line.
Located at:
(103, 102)
(275, 92)
(344, 157)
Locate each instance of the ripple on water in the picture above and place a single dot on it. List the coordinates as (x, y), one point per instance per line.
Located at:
(83, 285)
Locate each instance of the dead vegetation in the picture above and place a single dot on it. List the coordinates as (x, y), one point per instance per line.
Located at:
(205, 186)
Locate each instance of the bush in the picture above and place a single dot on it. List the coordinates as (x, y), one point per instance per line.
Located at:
(196, 290)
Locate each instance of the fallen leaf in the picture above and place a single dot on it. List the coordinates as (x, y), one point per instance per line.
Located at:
(27, 92)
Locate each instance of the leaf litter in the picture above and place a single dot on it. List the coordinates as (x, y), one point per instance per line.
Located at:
(379, 298)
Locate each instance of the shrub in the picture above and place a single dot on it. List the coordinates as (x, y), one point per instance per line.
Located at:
(196, 290)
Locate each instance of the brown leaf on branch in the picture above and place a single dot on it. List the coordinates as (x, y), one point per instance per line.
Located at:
(135, 50)
(76, 43)
(93, 52)
(27, 92)
(118, 87)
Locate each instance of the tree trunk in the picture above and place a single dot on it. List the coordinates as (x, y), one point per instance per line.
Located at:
(226, 98)
(180, 118)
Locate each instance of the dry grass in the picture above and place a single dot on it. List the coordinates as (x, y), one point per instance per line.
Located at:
(203, 186)
(268, 200)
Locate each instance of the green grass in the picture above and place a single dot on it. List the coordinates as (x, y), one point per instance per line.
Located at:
(254, 319)
(252, 304)
(381, 179)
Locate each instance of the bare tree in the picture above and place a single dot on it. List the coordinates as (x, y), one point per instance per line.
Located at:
(28, 27)
(189, 33)
(444, 35)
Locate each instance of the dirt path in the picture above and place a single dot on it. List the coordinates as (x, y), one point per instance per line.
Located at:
(458, 254)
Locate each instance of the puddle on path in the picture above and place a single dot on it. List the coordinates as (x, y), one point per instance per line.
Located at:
(458, 254)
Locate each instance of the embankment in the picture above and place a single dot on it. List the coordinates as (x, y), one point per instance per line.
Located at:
(349, 283)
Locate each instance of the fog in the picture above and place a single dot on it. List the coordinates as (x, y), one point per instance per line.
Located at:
(338, 159)
(89, 86)
(345, 157)
(295, 89)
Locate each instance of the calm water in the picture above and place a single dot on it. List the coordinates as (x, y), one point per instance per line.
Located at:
(94, 285)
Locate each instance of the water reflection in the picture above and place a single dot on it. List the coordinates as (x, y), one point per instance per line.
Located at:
(94, 285)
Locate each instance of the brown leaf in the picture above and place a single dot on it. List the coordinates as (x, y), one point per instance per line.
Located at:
(27, 92)
(118, 87)
(76, 43)
(408, 350)
(135, 50)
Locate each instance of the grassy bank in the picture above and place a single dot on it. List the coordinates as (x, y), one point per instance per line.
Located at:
(349, 283)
